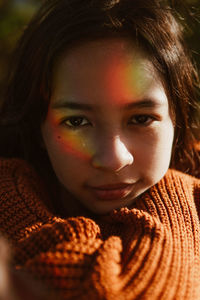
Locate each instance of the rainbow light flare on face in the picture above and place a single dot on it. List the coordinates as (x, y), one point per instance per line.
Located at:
(71, 141)
(126, 80)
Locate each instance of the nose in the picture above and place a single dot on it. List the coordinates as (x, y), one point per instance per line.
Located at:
(112, 155)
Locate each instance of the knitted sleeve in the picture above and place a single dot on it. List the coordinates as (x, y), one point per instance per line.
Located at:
(150, 251)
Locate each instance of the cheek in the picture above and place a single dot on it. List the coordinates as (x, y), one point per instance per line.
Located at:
(153, 150)
(68, 154)
(72, 145)
(62, 141)
(68, 146)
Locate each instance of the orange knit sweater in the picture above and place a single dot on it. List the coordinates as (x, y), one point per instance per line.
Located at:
(150, 251)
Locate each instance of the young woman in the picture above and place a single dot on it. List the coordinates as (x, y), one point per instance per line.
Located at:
(100, 133)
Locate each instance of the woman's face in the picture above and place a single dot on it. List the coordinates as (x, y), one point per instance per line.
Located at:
(108, 131)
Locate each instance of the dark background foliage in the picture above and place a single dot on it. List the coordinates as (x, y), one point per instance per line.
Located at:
(15, 14)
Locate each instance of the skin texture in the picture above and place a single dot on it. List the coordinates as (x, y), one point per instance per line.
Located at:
(122, 136)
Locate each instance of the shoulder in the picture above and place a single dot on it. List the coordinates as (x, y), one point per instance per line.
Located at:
(22, 197)
(173, 176)
(175, 191)
(180, 188)
(18, 175)
(12, 167)
(180, 183)
(12, 163)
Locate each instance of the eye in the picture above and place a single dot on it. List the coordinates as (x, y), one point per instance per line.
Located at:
(141, 120)
(76, 121)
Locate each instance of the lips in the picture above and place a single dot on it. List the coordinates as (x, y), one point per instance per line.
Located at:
(112, 192)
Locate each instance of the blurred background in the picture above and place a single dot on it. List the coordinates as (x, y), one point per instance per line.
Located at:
(15, 14)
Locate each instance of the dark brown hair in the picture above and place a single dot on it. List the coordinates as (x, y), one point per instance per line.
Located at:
(59, 25)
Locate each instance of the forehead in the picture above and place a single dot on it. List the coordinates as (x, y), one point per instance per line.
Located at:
(105, 68)
(102, 53)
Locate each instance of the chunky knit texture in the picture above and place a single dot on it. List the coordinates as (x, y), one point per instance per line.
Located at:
(150, 251)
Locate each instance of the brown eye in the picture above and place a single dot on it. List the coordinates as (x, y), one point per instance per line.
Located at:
(141, 120)
(76, 121)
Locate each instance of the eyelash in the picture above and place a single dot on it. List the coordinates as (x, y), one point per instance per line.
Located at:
(75, 119)
(146, 121)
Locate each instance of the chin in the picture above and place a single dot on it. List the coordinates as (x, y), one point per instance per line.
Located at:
(107, 207)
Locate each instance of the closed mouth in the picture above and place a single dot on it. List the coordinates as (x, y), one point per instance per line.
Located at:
(112, 191)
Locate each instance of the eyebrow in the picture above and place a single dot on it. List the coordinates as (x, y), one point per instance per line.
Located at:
(146, 103)
(72, 105)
